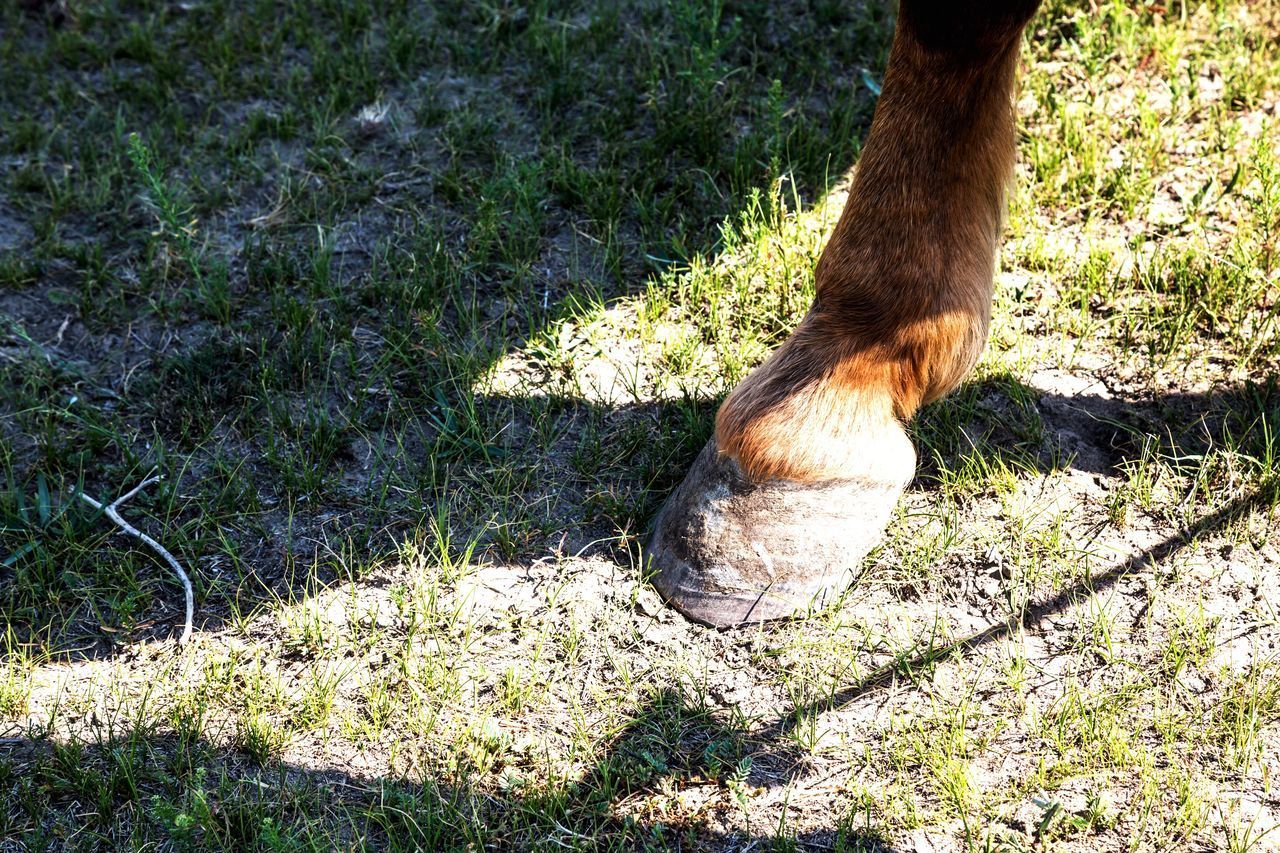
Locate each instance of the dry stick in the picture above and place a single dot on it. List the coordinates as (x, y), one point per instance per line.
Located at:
(111, 512)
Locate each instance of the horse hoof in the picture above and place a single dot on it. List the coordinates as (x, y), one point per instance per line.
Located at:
(726, 551)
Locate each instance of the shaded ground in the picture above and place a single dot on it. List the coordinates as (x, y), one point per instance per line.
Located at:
(422, 309)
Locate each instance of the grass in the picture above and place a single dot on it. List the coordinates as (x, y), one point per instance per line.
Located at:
(422, 309)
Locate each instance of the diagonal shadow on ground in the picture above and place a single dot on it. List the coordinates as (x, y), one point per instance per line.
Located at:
(995, 422)
(239, 804)
(1264, 497)
(668, 740)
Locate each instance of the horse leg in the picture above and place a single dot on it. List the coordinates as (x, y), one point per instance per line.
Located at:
(810, 454)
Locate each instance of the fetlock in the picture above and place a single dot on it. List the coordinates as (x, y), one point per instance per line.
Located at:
(832, 401)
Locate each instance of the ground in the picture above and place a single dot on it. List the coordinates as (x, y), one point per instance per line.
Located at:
(421, 309)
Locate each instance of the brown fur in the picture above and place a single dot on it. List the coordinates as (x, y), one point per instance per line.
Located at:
(904, 284)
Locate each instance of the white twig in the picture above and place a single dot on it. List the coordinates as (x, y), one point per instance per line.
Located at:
(111, 511)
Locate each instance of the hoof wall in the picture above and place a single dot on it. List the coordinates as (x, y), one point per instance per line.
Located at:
(725, 551)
